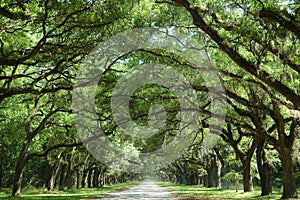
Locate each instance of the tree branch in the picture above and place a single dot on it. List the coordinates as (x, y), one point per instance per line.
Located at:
(54, 147)
(239, 59)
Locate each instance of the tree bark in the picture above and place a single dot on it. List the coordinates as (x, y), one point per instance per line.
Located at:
(210, 178)
(103, 179)
(89, 177)
(182, 179)
(247, 176)
(69, 176)
(62, 177)
(102, 171)
(54, 172)
(264, 169)
(194, 177)
(205, 180)
(77, 178)
(96, 177)
(85, 171)
(209, 166)
(285, 150)
(218, 168)
(53, 179)
(17, 181)
(84, 177)
(289, 183)
(180, 172)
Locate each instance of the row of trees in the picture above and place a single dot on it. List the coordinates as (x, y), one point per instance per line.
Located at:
(42, 42)
(254, 44)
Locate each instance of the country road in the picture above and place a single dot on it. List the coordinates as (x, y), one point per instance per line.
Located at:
(144, 191)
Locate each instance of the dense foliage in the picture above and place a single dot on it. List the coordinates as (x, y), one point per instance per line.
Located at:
(253, 43)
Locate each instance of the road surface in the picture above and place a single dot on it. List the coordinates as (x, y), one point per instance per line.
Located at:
(144, 191)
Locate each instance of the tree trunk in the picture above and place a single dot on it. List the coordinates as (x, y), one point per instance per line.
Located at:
(218, 168)
(247, 176)
(189, 179)
(209, 166)
(84, 177)
(108, 180)
(89, 177)
(54, 173)
(289, 183)
(102, 171)
(210, 178)
(69, 176)
(219, 164)
(264, 169)
(77, 178)
(181, 179)
(17, 181)
(244, 156)
(53, 178)
(85, 171)
(205, 180)
(96, 177)
(62, 177)
(103, 179)
(181, 172)
(194, 177)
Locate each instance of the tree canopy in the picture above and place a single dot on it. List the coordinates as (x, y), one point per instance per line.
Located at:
(253, 48)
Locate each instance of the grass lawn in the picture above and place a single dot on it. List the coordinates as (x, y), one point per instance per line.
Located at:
(84, 193)
(199, 192)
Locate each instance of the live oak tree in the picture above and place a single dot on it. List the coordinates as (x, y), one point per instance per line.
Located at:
(12, 113)
(253, 35)
(41, 43)
(42, 40)
(40, 120)
(254, 45)
(244, 154)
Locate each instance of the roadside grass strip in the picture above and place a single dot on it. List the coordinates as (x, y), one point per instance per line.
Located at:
(196, 192)
(75, 194)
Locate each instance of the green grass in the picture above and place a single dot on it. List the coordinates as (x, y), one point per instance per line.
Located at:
(76, 194)
(200, 192)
